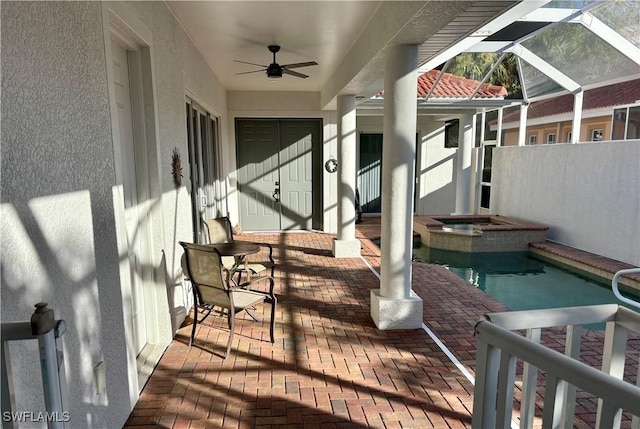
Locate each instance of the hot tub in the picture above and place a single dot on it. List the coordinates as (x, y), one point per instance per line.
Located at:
(477, 233)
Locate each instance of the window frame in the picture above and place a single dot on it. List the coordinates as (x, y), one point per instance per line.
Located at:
(548, 140)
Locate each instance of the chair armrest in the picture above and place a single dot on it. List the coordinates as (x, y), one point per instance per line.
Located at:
(253, 280)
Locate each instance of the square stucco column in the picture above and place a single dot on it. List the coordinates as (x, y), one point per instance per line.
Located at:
(395, 305)
(346, 245)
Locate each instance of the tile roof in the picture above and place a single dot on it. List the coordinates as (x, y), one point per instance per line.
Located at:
(606, 96)
(452, 86)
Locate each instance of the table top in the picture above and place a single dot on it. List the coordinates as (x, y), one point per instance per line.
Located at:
(236, 248)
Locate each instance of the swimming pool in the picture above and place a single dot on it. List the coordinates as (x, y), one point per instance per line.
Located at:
(520, 281)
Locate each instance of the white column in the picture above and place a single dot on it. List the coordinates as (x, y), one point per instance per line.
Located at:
(395, 305)
(346, 245)
(522, 133)
(463, 171)
(577, 116)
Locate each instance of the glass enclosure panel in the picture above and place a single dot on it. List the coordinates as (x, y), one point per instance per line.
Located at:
(568, 4)
(580, 54)
(633, 129)
(537, 83)
(619, 124)
(621, 16)
(473, 65)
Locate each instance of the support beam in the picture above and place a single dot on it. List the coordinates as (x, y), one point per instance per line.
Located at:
(577, 116)
(346, 245)
(395, 305)
(522, 132)
(499, 132)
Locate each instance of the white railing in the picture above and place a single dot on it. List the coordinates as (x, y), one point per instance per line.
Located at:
(48, 332)
(499, 348)
(616, 289)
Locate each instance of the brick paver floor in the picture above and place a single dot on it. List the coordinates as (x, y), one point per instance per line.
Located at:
(329, 367)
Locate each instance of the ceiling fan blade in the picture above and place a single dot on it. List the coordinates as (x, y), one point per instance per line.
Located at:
(253, 64)
(252, 71)
(295, 65)
(294, 73)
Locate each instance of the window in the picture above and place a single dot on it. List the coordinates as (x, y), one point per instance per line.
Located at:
(533, 139)
(626, 123)
(485, 188)
(619, 124)
(451, 129)
(596, 135)
(569, 135)
(551, 138)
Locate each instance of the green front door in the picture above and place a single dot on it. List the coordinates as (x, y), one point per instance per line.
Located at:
(278, 173)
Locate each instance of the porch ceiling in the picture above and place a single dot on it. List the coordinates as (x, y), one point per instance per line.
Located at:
(346, 38)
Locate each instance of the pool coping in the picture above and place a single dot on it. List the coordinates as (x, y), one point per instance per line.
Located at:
(589, 264)
(499, 223)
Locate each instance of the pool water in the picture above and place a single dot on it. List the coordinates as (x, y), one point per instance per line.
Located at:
(520, 281)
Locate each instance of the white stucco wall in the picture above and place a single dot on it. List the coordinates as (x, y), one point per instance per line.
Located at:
(58, 207)
(436, 184)
(587, 193)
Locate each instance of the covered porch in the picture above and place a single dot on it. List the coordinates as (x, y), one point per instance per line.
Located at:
(330, 367)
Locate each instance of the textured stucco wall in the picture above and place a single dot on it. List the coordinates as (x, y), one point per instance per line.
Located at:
(586, 193)
(179, 69)
(58, 228)
(58, 209)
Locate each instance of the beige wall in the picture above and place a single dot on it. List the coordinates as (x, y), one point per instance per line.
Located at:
(561, 129)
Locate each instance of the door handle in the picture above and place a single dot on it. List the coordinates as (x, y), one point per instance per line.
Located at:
(276, 193)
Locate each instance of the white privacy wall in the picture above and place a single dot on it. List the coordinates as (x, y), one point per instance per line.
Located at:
(587, 193)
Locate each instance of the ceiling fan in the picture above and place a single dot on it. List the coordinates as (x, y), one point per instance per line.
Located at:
(275, 70)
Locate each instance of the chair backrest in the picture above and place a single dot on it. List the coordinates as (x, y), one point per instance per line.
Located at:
(219, 230)
(206, 272)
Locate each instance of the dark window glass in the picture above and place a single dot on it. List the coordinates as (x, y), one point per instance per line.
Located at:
(451, 130)
(485, 196)
(633, 129)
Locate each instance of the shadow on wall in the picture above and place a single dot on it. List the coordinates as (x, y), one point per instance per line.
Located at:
(56, 250)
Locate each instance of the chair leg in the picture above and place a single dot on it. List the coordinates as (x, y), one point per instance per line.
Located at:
(195, 322)
(273, 318)
(232, 317)
(274, 300)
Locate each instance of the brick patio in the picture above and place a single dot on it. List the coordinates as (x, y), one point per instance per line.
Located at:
(329, 367)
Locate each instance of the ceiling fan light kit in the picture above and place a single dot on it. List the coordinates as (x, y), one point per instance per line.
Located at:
(275, 70)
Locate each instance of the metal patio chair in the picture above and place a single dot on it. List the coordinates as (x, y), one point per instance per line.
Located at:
(213, 286)
(219, 230)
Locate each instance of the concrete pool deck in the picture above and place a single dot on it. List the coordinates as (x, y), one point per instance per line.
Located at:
(330, 367)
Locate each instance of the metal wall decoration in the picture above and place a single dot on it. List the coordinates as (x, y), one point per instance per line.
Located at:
(331, 165)
(176, 167)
